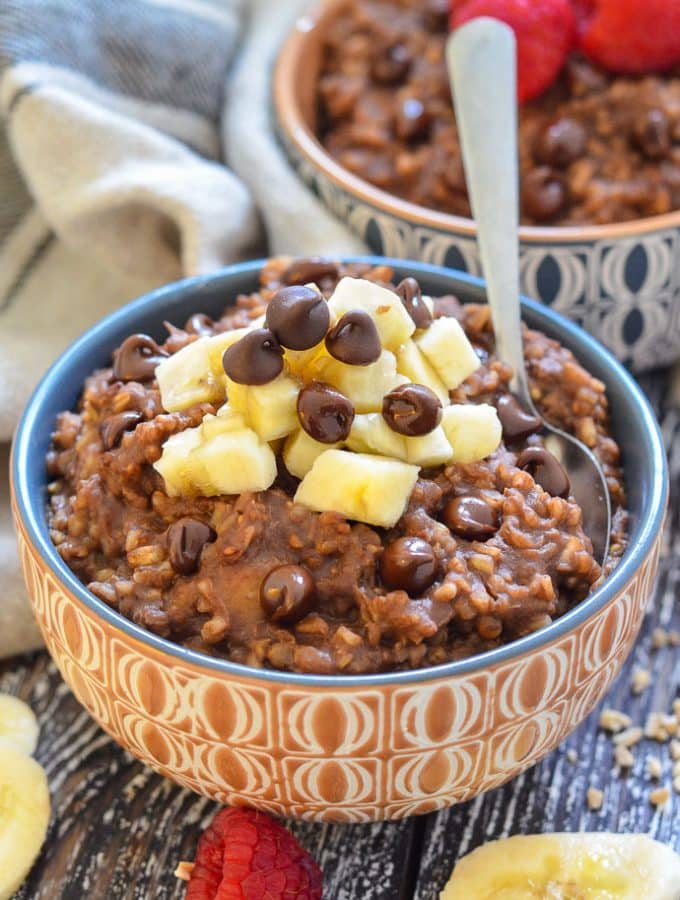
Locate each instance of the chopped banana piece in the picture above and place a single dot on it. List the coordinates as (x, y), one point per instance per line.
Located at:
(433, 449)
(413, 364)
(300, 452)
(474, 431)
(185, 378)
(448, 350)
(18, 724)
(394, 324)
(365, 386)
(218, 343)
(598, 866)
(372, 489)
(177, 465)
(270, 409)
(371, 434)
(24, 815)
(298, 361)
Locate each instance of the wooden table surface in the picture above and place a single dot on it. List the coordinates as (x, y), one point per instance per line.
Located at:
(118, 830)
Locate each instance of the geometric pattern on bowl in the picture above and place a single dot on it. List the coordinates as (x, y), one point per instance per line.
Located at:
(334, 754)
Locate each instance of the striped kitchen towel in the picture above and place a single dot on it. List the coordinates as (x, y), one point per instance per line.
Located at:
(136, 146)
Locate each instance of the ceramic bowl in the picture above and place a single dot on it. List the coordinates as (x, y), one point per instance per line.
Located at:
(620, 282)
(342, 749)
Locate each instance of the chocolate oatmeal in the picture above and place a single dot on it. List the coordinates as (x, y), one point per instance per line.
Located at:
(595, 148)
(480, 553)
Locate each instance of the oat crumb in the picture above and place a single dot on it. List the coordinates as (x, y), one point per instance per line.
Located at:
(572, 756)
(675, 749)
(660, 638)
(184, 870)
(623, 758)
(655, 727)
(674, 638)
(613, 720)
(654, 768)
(641, 680)
(594, 798)
(629, 737)
(659, 796)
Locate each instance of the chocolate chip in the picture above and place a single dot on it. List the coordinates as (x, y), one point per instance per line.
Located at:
(412, 409)
(408, 564)
(354, 339)
(412, 120)
(471, 518)
(199, 324)
(392, 65)
(436, 15)
(186, 539)
(546, 470)
(136, 358)
(298, 316)
(314, 268)
(544, 193)
(257, 358)
(288, 594)
(561, 142)
(652, 133)
(113, 427)
(324, 413)
(412, 298)
(516, 422)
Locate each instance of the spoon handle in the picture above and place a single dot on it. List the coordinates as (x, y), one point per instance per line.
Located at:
(482, 63)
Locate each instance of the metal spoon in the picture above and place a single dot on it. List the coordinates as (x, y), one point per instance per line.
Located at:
(481, 58)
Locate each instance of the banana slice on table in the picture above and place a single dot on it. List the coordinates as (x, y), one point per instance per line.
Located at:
(24, 815)
(593, 866)
(18, 725)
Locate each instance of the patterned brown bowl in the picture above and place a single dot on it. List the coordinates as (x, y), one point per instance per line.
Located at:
(342, 749)
(620, 282)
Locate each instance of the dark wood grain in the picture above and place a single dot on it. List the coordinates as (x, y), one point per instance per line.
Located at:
(118, 830)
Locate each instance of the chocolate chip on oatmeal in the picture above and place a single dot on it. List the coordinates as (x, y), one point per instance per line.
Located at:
(186, 539)
(298, 316)
(652, 133)
(391, 66)
(471, 517)
(517, 424)
(257, 358)
(288, 594)
(136, 358)
(544, 193)
(354, 339)
(561, 142)
(324, 413)
(113, 427)
(411, 120)
(412, 410)
(546, 470)
(199, 324)
(303, 271)
(408, 564)
(412, 298)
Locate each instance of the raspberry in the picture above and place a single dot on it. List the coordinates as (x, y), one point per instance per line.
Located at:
(247, 855)
(631, 36)
(545, 32)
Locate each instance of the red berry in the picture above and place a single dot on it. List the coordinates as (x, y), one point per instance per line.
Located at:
(545, 31)
(247, 855)
(630, 35)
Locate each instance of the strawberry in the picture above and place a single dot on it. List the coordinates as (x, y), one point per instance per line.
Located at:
(632, 36)
(545, 32)
(247, 855)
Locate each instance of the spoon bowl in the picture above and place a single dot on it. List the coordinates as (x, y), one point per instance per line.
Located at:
(482, 62)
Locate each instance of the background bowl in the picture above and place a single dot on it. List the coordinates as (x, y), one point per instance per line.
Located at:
(620, 282)
(339, 748)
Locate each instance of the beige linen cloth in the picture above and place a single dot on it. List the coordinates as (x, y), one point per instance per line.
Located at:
(136, 146)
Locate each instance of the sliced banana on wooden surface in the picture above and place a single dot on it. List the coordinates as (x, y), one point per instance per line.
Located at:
(589, 866)
(24, 796)
(18, 725)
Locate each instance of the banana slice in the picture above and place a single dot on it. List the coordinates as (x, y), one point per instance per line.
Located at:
(24, 815)
(18, 725)
(597, 866)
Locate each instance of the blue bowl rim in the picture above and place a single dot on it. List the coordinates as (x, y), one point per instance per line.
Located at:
(31, 508)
